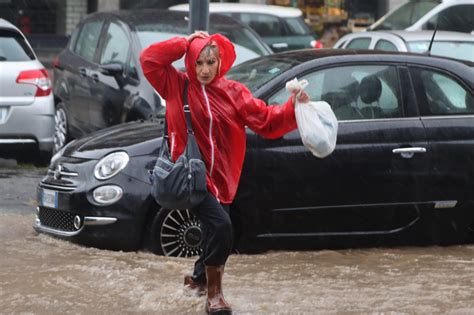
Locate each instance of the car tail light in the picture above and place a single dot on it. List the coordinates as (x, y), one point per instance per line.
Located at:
(317, 44)
(39, 78)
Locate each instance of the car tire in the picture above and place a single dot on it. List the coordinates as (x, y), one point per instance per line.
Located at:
(61, 125)
(175, 233)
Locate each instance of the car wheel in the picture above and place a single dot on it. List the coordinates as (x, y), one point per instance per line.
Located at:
(176, 233)
(61, 135)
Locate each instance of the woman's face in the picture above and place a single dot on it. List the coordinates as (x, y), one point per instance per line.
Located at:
(207, 66)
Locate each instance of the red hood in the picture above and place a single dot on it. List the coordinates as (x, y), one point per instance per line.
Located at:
(226, 54)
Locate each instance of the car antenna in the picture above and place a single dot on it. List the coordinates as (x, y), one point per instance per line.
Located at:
(428, 52)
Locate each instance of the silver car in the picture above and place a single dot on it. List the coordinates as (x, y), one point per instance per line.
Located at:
(26, 99)
(447, 44)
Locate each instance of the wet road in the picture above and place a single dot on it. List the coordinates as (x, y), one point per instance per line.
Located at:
(43, 275)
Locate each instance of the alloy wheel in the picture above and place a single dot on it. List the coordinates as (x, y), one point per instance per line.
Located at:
(180, 234)
(60, 129)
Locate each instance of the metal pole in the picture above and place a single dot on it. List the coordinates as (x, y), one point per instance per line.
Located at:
(198, 15)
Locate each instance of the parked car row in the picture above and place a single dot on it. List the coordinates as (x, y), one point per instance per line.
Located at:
(402, 171)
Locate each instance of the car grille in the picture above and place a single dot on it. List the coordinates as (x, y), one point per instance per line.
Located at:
(56, 219)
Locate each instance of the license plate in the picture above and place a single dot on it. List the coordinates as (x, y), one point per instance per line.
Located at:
(49, 198)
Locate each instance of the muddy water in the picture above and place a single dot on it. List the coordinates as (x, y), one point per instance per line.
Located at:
(43, 275)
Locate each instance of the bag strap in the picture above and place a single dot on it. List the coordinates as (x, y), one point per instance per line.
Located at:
(187, 112)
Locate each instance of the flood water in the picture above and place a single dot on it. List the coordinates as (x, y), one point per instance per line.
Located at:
(43, 275)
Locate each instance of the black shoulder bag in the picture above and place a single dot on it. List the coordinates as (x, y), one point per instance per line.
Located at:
(180, 185)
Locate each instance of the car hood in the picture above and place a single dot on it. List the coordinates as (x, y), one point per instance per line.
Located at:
(136, 138)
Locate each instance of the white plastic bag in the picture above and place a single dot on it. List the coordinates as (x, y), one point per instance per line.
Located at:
(316, 122)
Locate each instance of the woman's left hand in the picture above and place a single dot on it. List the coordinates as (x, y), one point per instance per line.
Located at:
(197, 34)
(302, 97)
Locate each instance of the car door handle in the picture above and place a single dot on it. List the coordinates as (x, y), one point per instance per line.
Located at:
(280, 45)
(83, 72)
(95, 77)
(408, 153)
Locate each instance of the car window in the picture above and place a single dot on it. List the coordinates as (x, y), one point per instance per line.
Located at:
(354, 92)
(453, 49)
(256, 73)
(243, 37)
(86, 44)
(265, 25)
(359, 43)
(73, 39)
(383, 44)
(340, 45)
(13, 47)
(116, 46)
(459, 18)
(247, 44)
(296, 26)
(406, 15)
(132, 69)
(440, 94)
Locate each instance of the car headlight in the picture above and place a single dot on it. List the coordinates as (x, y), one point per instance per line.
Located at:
(111, 165)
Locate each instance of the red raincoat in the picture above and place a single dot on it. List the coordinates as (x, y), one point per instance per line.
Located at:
(220, 110)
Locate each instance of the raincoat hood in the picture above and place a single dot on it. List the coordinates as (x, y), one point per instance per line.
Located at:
(226, 55)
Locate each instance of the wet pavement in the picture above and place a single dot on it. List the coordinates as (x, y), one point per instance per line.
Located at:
(40, 274)
(43, 275)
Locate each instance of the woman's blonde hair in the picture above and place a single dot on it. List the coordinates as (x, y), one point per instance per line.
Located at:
(211, 47)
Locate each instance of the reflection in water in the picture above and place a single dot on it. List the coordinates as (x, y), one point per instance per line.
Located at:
(41, 274)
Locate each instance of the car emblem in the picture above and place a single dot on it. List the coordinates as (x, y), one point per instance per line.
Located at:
(57, 172)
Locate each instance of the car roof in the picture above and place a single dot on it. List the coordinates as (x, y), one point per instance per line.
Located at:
(409, 36)
(455, 1)
(141, 16)
(424, 35)
(305, 55)
(247, 8)
(4, 24)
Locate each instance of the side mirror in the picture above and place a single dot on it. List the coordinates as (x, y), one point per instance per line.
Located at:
(111, 69)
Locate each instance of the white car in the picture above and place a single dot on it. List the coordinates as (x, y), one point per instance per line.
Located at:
(417, 15)
(448, 44)
(282, 28)
(26, 99)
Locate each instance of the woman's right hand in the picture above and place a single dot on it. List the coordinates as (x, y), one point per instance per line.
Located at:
(197, 34)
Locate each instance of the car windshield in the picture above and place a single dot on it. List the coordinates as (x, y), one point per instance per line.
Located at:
(452, 49)
(14, 48)
(257, 72)
(406, 15)
(246, 45)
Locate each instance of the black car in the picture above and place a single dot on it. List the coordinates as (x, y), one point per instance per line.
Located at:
(402, 171)
(97, 78)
